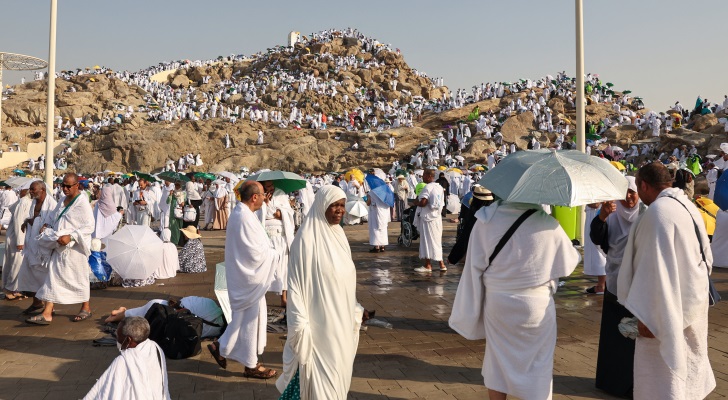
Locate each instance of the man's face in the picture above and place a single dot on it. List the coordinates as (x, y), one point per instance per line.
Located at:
(69, 186)
(143, 184)
(268, 187)
(35, 191)
(428, 177)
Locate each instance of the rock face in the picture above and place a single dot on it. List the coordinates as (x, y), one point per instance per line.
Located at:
(137, 144)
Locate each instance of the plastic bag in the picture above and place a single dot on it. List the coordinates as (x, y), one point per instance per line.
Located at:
(99, 266)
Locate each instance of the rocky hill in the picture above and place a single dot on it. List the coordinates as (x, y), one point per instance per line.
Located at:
(378, 74)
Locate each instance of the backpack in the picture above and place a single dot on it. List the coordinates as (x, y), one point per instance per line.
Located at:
(178, 333)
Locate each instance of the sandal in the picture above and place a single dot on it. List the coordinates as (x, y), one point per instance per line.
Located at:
(374, 250)
(15, 297)
(38, 320)
(32, 309)
(214, 348)
(592, 290)
(82, 316)
(259, 372)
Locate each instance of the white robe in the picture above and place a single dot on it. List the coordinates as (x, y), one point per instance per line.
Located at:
(664, 283)
(280, 232)
(323, 314)
(249, 261)
(719, 245)
(595, 261)
(35, 269)
(13, 259)
(510, 303)
(170, 258)
(428, 221)
(68, 269)
(379, 217)
(139, 373)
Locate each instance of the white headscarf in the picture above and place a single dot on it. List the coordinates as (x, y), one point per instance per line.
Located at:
(166, 235)
(620, 222)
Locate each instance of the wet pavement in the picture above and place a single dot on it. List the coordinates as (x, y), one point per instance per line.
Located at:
(420, 358)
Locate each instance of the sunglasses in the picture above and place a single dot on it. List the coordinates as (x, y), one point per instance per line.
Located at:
(69, 186)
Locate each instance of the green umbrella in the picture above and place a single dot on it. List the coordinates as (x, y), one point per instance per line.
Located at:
(204, 175)
(401, 172)
(173, 176)
(286, 181)
(626, 91)
(610, 84)
(142, 175)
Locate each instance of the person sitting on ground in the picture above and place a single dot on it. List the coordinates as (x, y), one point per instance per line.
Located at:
(202, 307)
(139, 372)
(170, 257)
(192, 256)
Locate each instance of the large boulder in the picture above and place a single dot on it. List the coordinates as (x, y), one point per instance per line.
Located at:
(180, 81)
(703, 122)
(622, 134)
(517, 129)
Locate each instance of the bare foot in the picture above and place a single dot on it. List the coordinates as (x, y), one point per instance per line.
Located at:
(116, 315)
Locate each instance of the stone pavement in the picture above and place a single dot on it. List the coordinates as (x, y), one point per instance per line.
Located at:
(420, 358)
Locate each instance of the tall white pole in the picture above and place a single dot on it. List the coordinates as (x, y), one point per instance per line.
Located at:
(580, 100)
(50, 116)
(1, 97)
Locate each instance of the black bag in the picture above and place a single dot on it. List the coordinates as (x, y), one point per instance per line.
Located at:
(177, 332)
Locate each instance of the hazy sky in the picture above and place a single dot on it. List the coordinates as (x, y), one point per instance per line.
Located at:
(664, 50)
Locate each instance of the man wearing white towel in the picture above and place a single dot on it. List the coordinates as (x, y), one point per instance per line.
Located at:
(428, 221)
(663, 281)
(250, 261)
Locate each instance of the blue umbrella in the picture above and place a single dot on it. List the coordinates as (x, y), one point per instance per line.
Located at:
(19, 172)
(380, 189)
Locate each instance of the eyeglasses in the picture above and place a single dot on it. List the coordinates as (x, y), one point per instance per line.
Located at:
(69, 186)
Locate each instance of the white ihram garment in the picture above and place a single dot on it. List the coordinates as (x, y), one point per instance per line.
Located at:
(379, 217)
(68, 269)
(13, 259)
(139, 373)
(510, 304)
(323, 314)
(280, 232)
(35, 269)
(249, 268)
(429, 221)
(663, 281)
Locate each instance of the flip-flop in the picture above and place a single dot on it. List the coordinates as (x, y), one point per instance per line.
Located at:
(214, 348)
(32, 309)
(82, 316)
(38, 320)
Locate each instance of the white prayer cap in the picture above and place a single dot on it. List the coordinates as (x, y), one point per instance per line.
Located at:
(724, 147)
(632, 183)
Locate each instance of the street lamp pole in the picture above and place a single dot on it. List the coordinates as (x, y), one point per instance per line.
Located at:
(580, 100)
(51, 97)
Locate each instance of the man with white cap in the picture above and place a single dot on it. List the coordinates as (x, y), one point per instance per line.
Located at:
(720, 162)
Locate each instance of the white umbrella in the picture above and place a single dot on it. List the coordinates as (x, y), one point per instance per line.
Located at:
(226, 174)
(562, 178)
(356, 208)
(134, 252)
(617, 148)
(379, 173)
(221, 291)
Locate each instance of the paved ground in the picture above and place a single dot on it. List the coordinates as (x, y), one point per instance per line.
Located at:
(420, 358)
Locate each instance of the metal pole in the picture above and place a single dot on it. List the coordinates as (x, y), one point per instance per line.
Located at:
(51, 97)
(580, 100)
(1, 97)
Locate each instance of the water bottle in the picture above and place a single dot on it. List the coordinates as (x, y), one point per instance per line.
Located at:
(380, 323)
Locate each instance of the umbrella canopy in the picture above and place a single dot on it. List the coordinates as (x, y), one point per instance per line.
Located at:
(221, 291)
(458, 170)
(204, 175)
(173, 176)
(357, 208)
(133, 252)
(148, 178)
(354, 173)
(618, 165)
(286, 181)
(229, 175)
(563, 178)
(442, 168)
(380, 189)
(19, 172)
(379, 173)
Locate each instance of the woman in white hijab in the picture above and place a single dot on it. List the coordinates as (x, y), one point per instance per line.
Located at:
(610, 230)
(323, 314)
(170, 257)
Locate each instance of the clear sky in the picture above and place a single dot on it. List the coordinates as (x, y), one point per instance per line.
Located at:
(662, 50)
